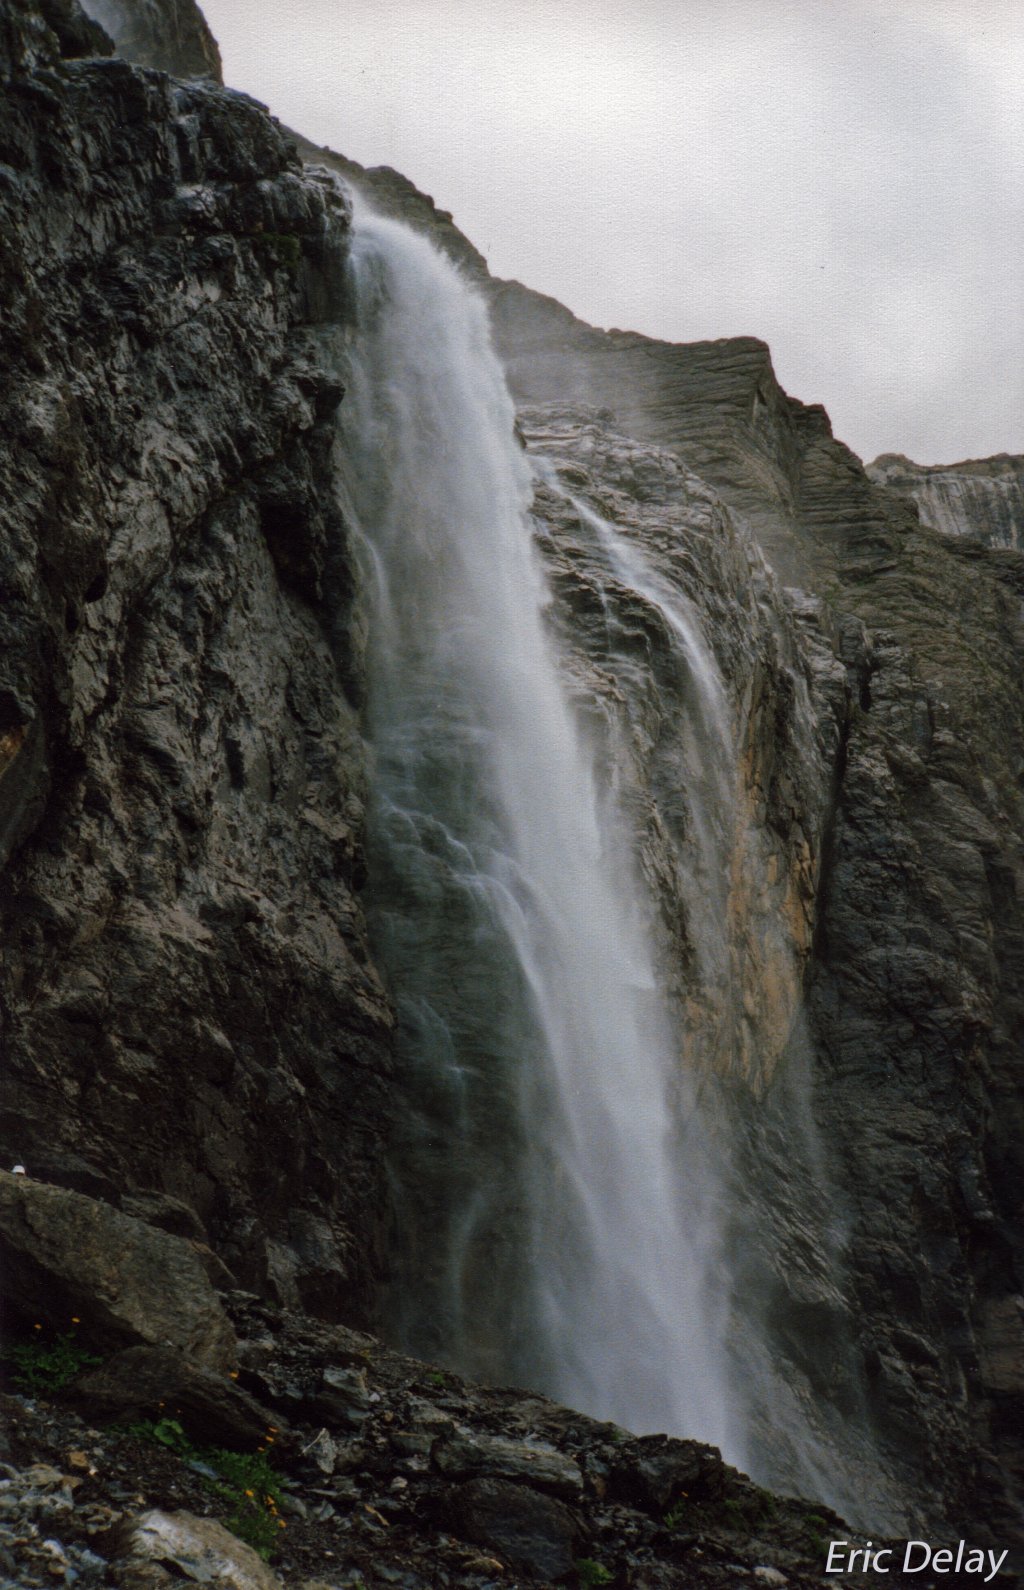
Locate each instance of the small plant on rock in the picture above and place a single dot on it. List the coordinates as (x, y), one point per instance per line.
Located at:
(44, 1365)
(816, 1533)
(246, 1482)
(679, 1513)
(590, 1572)
(253, 1489)
(168, 1433)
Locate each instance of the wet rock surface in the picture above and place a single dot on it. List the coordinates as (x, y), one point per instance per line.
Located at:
(691, 668)
(189, 1008)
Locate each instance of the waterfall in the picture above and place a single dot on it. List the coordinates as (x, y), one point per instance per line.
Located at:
(558, 1207)
(712, 754)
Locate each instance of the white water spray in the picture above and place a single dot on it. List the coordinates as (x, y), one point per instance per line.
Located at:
(711, 794)
(555, 1226)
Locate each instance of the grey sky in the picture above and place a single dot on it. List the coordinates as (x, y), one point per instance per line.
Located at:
(844, 178)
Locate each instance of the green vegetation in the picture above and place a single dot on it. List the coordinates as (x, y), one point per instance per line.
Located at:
(745, 1513)
(816, 1533)
(283, 248)
(678, 1515)
(43, 1366)
(246, 1482)
(591, 1572)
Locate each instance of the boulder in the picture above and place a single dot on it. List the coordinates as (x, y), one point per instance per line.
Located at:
(64, 1255)
(535, 1534)
(343, 1397)
(143, 1382)
(461, 1456)
(195, 1549)
(654, 1471)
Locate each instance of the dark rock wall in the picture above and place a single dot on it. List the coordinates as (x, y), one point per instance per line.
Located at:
(187, 1002)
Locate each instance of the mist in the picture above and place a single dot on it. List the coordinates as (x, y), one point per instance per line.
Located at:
(846, 182)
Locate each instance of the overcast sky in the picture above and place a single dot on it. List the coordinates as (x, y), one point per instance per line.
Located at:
(844, 178)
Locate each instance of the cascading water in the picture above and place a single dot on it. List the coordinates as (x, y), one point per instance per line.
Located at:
(794, 1365)
(573, 1213)
(558, 1225)
(711, 750)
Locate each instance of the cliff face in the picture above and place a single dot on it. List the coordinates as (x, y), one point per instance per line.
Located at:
(983, 498)
(913, 994)
(188, 1005)
(171, 35)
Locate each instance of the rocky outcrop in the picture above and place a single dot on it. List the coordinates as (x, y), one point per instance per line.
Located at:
(442, 1484)
(392, 195)
(64, 1255)
(982, 498)
(189, 1009)
(171, 35)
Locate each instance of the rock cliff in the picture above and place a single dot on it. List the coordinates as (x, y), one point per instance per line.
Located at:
(171, 35)
(982, 498)
(188, 1004)
(194, 1029)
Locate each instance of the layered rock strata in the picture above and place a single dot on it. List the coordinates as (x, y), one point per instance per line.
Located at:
(982, 498)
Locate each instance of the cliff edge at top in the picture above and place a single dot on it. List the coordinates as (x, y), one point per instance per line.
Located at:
(982, 498)
(172, 35)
